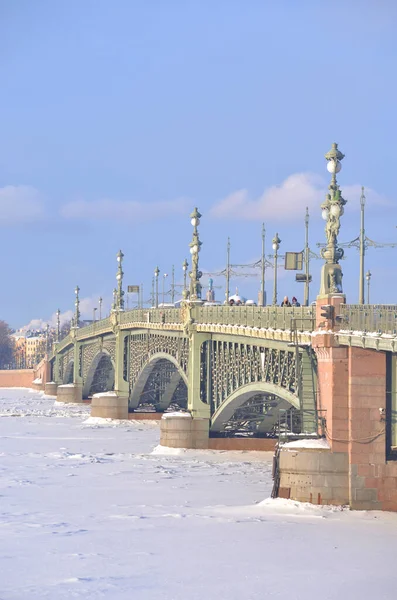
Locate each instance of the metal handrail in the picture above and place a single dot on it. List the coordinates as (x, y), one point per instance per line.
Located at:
(373, 318)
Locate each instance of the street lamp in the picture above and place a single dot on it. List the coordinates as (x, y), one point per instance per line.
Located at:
(164, 278)
(119, 277)
(46, 338)
(58, 313)
(368, 276)
(275, 245)
(362, 249)
(77, 307)
(195, 246)
(185, 265)
(263, 266)
(93, 314)
(156, 276)
(100, 308)
(114, 307)
(331, 210)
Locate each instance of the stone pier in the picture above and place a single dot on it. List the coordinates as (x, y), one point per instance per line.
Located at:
(181, 430)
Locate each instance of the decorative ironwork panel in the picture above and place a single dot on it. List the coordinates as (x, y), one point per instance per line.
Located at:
(64, 360)
(147, 344)
(233, 365)
(89, 353)
(110, 346)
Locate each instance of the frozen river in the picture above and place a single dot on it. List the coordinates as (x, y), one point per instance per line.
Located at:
(90, 509)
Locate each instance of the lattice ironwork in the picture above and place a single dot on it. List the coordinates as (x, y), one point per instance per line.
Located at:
(89, 353)
(145, 345)
(234, 365)
(156, 390)
(103, 380)
(64, 360)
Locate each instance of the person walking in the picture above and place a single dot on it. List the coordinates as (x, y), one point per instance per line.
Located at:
(295, 302)
(285, 302)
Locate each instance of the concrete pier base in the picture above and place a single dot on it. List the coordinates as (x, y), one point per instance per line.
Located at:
(109, 405)
(50, 388)
(70, 392)
(314, 475)
(37, 385)
(180, 430)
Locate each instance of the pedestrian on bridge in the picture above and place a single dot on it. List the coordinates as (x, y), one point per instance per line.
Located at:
(285, 302)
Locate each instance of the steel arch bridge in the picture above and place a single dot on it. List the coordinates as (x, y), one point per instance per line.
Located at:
(218, 362)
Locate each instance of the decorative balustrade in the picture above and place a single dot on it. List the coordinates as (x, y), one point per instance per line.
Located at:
(373, 318)
(301, 318)
(152, 315)
(269, 317)
(94, 329)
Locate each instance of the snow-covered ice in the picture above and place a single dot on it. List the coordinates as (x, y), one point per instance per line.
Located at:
(91, 509)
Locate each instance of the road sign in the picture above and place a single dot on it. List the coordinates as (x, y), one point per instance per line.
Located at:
(293, 261)
(302, 277)
(133, 289)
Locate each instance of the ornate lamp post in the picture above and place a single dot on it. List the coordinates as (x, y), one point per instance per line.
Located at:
(119, 277)
(263, 266)
(156, 276)
(58, 313)
(185, 265)
(100, 308)
(114, 306)
(368, 276)
(332, 210)
(165, 275)
(47, 329)
(77, 307)
(275, 245)
(195, 245)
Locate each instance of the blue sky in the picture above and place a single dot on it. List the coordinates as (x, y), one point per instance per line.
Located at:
(119, 117)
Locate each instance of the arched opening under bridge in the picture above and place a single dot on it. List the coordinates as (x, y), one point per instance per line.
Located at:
(257, 409)
(161, 384)
(100, 377)
(69, 372)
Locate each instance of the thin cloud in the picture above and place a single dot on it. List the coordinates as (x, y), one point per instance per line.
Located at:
(86, 311)
(288, 200)
(125, 211)
(20, 204)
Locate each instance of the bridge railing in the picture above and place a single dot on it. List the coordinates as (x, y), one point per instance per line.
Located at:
(151, 315)
(94, 328)
(263, 317)
(373, 318)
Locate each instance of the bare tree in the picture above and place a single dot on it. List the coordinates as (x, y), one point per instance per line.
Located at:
(6, 346)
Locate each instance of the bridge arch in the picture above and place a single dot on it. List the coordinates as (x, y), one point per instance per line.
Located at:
(100, 376)
(148, 370)
(69, 373)
(226, 410)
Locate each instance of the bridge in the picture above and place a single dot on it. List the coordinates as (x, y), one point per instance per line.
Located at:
(211, 361)
(332, 366)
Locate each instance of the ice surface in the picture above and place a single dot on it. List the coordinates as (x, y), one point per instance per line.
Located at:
(90, 512)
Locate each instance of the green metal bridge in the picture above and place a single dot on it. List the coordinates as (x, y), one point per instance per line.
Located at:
(237, 366)
(234, 365)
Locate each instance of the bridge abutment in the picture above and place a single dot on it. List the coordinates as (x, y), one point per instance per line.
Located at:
(70, 393)
(109, 405)
(50, 388)
(352, 393)
(181, 430)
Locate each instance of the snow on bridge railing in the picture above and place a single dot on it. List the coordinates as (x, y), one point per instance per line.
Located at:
(301, 318)
(374, 318)
(151, 315)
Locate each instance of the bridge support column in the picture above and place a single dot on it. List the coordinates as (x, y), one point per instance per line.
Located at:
(180, 430)
(196, 432)
(73, 392)
(114, 405)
